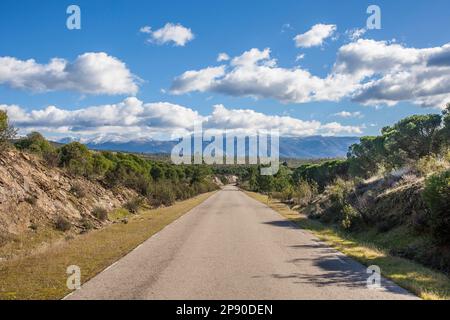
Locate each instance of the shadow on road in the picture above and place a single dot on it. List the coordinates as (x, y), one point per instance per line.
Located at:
(282, 223)
(337, 270)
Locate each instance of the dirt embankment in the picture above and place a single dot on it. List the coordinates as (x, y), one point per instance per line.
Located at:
(32, 194)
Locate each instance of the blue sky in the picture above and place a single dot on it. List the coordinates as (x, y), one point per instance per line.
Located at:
(37, 30)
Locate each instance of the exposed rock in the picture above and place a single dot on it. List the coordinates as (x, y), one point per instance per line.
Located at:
(25, 176)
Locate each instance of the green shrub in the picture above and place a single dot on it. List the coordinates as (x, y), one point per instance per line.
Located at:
(86, 224)
(350, 217)
(134, 204)
(62, 224)
(162, 194)
(78, 190)
(430, 164)
(35, 143)
(76, 158)
(100, 164)
(51, 158)
(437, 197)
(31, 200)
(323, 173)
(223, 179)
(287, 194)
(7, 132)
(411, 138)
(305, 192)
(100, 213)
(338, 192)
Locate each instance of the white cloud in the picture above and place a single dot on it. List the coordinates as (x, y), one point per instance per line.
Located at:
(315, 36)
(90, 73)
(348, 114)
(299, 57)
(133, 119)
(390, 73)
(256, 74)
(355, 34)
(146, 29)
(246, 119)
(175, 33)
(366, 71)
(223, 57)
(334, 128)
(201, 80)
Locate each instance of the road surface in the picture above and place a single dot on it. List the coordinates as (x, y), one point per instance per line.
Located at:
(234, 247)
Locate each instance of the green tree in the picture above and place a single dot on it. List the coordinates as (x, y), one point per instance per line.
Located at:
(323, 173)
(437, 198)
(7, 131)
(36, 143)
(265, 183)
(101, 164)
(77, 158)
(157, 172)
(411, 138)
(366, 156)
(444, 136)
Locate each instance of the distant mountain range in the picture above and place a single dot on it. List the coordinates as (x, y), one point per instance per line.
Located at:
(312, 147)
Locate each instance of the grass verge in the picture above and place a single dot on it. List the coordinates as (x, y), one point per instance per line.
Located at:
(43, 275)
(424, 282)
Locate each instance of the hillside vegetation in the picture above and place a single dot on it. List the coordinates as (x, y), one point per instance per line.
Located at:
(392, 191)
(69, 189)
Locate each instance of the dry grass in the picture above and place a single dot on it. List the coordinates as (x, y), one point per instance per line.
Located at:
(43, 275)
(424, 282)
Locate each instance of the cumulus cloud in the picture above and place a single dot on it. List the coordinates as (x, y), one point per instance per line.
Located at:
(133, 119)
(223, 57)
(355, 34)
(366, 71)
(170, 33)
(90, 73)
(315, 36)
(256, 74)
(299, 57)
(348, 114)
(390, 73)
(201, 80)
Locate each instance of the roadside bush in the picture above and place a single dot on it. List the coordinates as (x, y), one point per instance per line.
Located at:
(437, 197)
(338, 193)
(86, 224)
(223, 179)
(287, 194)
(62, 224)
(364, 202)
(134, 204)
(430, 164)
(350, 217)
(305, 192)
(100, 213)
(32, 199)
(78, 190)
(162, 194)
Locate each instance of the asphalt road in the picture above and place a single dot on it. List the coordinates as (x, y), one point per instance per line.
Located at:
(233, 247)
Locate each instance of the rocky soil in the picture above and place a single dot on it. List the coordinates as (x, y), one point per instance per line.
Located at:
(33, 194)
